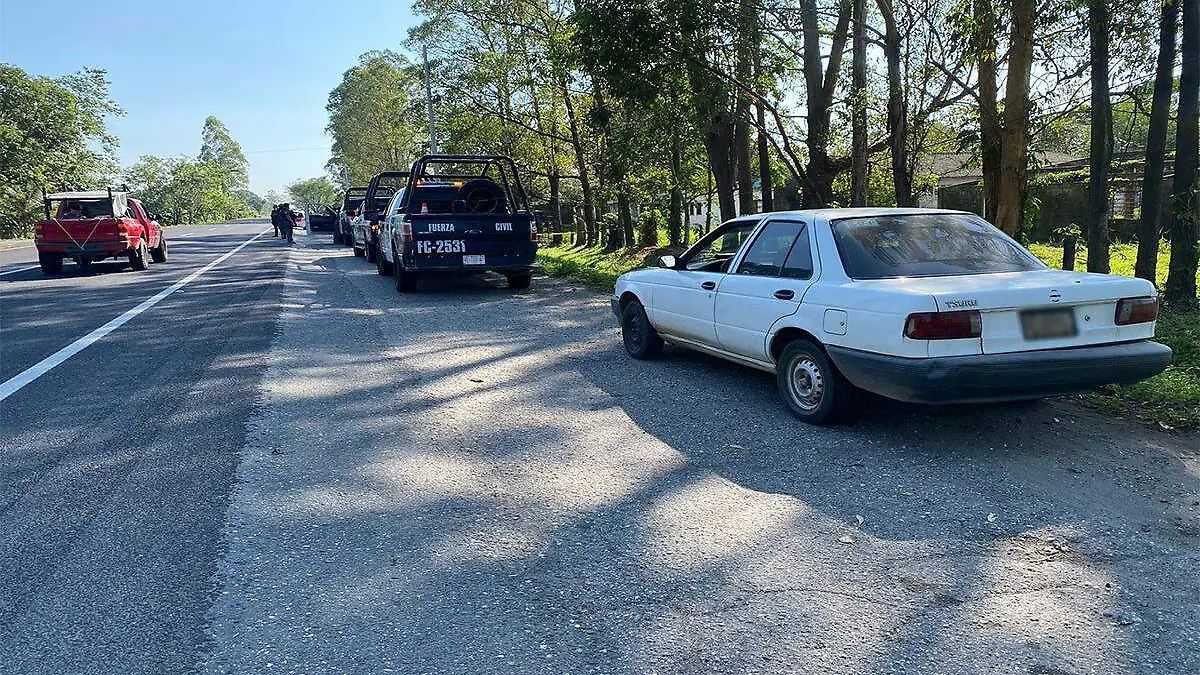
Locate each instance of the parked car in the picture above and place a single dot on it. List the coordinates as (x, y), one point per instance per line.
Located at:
(460, 215)
(321, 218)
(351, 203)
(364, 229)
(94, 225)
(919, 305)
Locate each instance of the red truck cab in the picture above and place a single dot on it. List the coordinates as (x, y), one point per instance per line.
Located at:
(94, 225)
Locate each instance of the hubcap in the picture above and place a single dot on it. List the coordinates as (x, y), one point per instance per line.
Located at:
(806, 384)
(633, 334)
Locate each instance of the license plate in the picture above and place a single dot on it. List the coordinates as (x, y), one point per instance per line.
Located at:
(1048, 324)
(474, 260)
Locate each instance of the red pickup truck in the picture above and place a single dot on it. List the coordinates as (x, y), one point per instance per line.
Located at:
(94, 225)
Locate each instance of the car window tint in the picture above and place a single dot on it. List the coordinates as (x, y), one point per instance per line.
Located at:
(769, 251)
(715, 251)
(799, 264)
(926, 245)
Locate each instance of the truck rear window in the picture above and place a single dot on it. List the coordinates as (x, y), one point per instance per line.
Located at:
(926, 245)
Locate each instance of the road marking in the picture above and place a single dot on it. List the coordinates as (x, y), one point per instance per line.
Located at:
(45, 365)
(188, 234)
(23, 269)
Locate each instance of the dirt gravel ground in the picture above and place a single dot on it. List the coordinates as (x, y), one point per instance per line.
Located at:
(475, 480)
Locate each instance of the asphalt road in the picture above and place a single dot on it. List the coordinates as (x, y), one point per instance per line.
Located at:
(288, 467)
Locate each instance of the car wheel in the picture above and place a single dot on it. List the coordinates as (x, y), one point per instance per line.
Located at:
(139, 258)
(406, 282)
(159, 253)
(810, 384)
(358, 252)
(519, 281)
(640, 338)
(50, 263)
(382, 265)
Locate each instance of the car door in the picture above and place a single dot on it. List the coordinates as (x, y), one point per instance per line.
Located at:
(683, 304)
(768, 284)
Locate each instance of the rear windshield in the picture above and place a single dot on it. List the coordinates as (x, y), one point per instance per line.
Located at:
(353, 201)
(87, 209)
(926, 245)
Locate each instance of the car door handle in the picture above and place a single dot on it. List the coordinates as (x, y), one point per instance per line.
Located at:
(785, 294)
(708, 285)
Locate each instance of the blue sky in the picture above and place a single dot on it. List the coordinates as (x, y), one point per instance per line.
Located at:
(263, 67)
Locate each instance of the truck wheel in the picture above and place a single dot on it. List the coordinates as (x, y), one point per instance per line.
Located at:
(385, 268)
(641, 340)
(50, 263)
(159, 253)
(372, 250)
(519, 281)
(810, 384)
(406, 282)
(139, 258)
(337, 237)
(358, 252)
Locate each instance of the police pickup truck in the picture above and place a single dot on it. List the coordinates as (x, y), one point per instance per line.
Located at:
(364, 228)
(459, 214)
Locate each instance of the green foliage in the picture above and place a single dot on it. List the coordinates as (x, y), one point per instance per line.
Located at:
(53, 136)
(596, 268)
(314, 192)
(376, 117)
(217, 147)
(1172, 397)
(185, 190)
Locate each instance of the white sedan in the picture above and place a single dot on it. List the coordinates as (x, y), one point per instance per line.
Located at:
(919, 305)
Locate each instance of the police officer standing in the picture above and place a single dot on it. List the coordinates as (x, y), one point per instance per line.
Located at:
(286, 221)
(275, 219)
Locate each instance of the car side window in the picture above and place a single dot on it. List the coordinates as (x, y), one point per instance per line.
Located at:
(714, 252)
(799, 263)
(770, 249)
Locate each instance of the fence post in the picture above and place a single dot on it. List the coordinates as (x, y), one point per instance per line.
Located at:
(1068, 262)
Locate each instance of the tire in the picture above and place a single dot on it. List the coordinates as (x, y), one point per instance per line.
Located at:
(139, 258)
(641, 340)
(385, 268)
(811, 385)
(50, 263)
(358, 252)
(372, 250)
(159, 253)
(337, 238)
(406, 282)
(519, 281)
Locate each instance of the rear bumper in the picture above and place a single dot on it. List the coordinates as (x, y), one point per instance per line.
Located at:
(517, 263)
(1001, 377)
(89, 248)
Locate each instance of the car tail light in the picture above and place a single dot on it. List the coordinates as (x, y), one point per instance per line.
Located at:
(1136, 310)
(532, 231)
(944, 325)
(374, 225)
(37, 232)
(406, 232)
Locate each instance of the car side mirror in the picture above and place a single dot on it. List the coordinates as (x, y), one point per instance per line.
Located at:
(667, 261)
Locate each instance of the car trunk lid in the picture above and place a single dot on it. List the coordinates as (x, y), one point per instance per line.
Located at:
(1043, 309)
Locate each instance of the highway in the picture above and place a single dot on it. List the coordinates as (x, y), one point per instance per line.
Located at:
(261, 459)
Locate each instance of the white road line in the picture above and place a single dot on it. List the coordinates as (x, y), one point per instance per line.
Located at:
(23, 269)
(45, 365)
(188, 234)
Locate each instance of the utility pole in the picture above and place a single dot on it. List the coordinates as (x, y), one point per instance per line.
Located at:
(429, 101)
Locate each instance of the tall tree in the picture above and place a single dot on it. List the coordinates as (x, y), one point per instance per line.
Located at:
(1100, 155)
(1181, 277)
(858, 103)
(313, 192)
(1156, 144)
(218, 147)
(1014, 141)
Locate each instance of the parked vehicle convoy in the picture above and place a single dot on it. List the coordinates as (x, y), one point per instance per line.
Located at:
(351, 203)
(364, 228)
(919, 305)
(458, 215)
(94, 225)
(321, 218)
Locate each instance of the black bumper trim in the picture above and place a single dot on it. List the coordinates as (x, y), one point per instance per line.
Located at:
(1001, 377)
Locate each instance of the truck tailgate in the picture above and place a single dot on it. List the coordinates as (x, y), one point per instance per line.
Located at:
(484, 240)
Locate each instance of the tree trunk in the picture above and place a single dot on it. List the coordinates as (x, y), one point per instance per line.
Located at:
(627, 223)
(1100, 154)
(858, 107)
(555, 201)
(741, 157)
(897, 111)
(765, 178)
(989, 111)
(585, 185)
(818, 92)
(718, 144)
(1181, 277)
(675, 214)
(1148, 232)
(1014, 146)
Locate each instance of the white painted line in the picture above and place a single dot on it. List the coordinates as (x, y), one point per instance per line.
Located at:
(188, 234)
(23, 269)
(45, 365)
